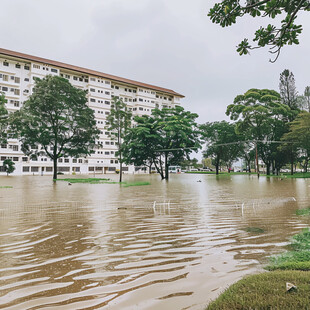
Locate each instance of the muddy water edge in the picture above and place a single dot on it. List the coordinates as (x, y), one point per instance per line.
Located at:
(168, 245)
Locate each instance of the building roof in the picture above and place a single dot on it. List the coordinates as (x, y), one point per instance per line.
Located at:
(86, 71)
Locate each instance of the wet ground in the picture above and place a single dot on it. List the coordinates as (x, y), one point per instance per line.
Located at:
(163, 246)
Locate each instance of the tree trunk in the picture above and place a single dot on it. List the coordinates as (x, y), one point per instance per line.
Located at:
(120, 168)
(268, 168)
(55, 168)
(166, 166)
(292, 166)
(217, 163)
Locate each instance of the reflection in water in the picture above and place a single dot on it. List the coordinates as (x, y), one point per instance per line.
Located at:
(106, 247)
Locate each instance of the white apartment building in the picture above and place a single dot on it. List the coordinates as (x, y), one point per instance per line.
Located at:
(17, 74)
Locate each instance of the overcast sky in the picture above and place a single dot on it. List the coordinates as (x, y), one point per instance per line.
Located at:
(168, 43)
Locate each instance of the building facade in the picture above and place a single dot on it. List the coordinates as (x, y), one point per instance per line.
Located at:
(17, 78)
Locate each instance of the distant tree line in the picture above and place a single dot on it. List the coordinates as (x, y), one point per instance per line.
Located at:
(56, 122)
(276, 125)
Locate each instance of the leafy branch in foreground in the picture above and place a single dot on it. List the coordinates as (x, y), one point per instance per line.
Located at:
(226, 13)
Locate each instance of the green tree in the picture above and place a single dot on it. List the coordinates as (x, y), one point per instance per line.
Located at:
(56, 122)
(304, 101)
(3, 119)
(299, 136)
(222, 143)
(165, 138)
(227, 12)
(119, 121)
(288, 90)
(8, 166)
(260, 116)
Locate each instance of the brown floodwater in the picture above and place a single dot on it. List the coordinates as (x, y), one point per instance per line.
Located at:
(172, 245)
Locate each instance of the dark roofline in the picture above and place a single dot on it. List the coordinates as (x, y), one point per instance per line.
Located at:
(87, 71)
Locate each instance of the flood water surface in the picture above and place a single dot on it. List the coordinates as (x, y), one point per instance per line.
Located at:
(172, 245)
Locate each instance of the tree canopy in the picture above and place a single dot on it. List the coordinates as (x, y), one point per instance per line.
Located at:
(119, 121)
(299, 135)
(8, 166)
(273, 36)
(55, 121)
(222, 143)
(260, 116)
(164, 138)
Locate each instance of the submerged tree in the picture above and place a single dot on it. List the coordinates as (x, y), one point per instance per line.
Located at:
(119, 121)
(222, 143)
(299, 136)
(261, 117)
(165, 138)
(227, 12)
(56, 122)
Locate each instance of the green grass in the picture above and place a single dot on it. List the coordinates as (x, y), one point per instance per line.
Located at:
(220, 173)
(128, 184)
(298, 258)
(89, 180)
(305, 211)
(254, 230)
(6, 186)
(297, 175)
(103, 181)
(266, 291)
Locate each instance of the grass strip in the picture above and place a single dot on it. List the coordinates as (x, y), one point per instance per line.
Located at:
(6, 186)
(266, 291)
(103, 181)
(303, 212)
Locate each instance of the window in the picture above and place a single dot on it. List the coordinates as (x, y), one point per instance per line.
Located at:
(75, 78)
(3, 157)
(24, 158)
(107, 113)
(80, 161)
(5, 89)
(140, 109)
(34, 169)
(111, 169)
(17, 91)
(4, 146)
(17, 66)
(49, 169)
(60, 160)
(91, 169)
(92, 100)
(107, 102)
(111, 161)
(107, 82)
(25, 169)
(116, 87)
(93, 79)
(15, 148)
(5, 77)
(74, 160)
(107, 93)
(15, 158)
(16, 79)
(26, 79)
(66, 160)
(26, 67)
(36, 66)
(63, 169)
(5, 63)
(92, 89)
(140, 99)
(106, 153)
(54, 70)
(77, 169)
